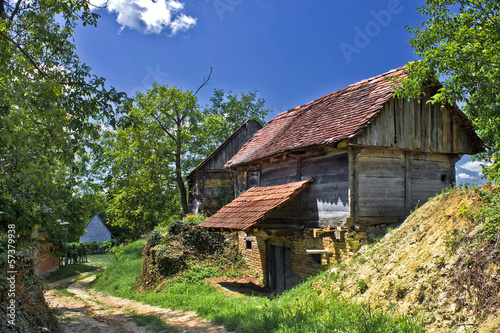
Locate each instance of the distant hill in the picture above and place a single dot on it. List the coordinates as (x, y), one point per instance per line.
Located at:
(430, 266)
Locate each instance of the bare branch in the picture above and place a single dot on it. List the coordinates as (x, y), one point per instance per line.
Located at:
(99, 7)
(16, 10)
(205, 81)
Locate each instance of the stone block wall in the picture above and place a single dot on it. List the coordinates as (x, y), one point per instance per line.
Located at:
(254, 250)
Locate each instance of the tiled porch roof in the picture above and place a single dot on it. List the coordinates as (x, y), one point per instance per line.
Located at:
(253, 206)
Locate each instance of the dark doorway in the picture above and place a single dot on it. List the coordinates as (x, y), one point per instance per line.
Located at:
(280, 266)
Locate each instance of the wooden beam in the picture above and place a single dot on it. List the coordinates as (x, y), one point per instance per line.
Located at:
(281, 226)
(407, 182)
(268, 233)
(446, 127)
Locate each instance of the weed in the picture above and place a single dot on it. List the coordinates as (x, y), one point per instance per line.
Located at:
(362, 286)
(415, 208)
(401, 291)
(65, 292)
(361, 260)
(440, 262)
(397, 288)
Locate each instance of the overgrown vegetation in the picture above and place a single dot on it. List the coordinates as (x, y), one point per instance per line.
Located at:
(301, 309)
(187, 250)
(475, 275)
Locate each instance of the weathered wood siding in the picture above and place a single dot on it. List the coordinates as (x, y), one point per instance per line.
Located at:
(326, 200)
(279, 173)
(416, 126)
(213, 190)
(390, 183)
(380, 186)
(430, 173)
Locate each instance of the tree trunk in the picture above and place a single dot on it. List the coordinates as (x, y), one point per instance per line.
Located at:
(180, 181)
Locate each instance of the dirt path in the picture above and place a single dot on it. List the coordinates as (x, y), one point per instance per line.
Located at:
(81, 309)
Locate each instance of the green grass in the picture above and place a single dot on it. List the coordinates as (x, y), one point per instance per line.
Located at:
(68, 271)
(94, 262)
(297, 310)
(99, 260)
(152, 324)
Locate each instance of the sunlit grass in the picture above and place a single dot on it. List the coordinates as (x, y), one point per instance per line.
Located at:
(297, 310)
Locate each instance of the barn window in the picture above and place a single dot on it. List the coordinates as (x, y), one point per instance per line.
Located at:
(316, 259)
(443, 177)
(248, 245)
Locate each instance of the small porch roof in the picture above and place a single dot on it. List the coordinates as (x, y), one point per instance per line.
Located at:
(254, 205)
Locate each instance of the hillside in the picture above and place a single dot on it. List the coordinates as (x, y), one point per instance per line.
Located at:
(428, 266)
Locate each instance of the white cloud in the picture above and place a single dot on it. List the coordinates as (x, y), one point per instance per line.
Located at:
(473, 166)
(150, 16)
(464, 177)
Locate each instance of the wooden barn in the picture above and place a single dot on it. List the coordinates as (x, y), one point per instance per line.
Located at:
(318, 178)
(210, 185)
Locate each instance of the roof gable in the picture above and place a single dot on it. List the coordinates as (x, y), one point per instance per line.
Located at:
(251, 125)
(96, 230)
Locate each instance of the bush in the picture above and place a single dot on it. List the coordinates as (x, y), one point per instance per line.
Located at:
(169, 251)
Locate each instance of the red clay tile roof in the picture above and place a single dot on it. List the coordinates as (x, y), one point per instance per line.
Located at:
(253, 206)
(335, 117)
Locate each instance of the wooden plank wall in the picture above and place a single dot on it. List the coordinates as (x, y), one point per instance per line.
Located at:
(214, 189)
(380, 186)
(390, 183)
(430, 173)
(416, 126)
(279, 173)
(326, 200)
(286, 214)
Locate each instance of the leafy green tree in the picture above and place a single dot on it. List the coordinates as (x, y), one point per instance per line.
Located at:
(459, 43)
(163, 136)
(51, 110)
(140, 184)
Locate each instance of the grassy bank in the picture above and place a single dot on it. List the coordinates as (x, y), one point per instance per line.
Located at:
(298, 310)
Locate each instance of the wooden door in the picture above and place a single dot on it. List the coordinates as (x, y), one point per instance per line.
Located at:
(280, 267)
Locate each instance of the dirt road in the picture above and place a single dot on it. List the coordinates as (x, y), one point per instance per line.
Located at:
(81, 309)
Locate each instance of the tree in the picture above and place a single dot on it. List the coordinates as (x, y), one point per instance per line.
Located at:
(140, 182)
(163, 136)
(459, 43)
(51, 111)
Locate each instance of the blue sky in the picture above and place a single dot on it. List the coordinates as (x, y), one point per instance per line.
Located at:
(291, 51)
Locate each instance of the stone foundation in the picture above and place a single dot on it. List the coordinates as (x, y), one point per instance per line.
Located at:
(255, 252)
